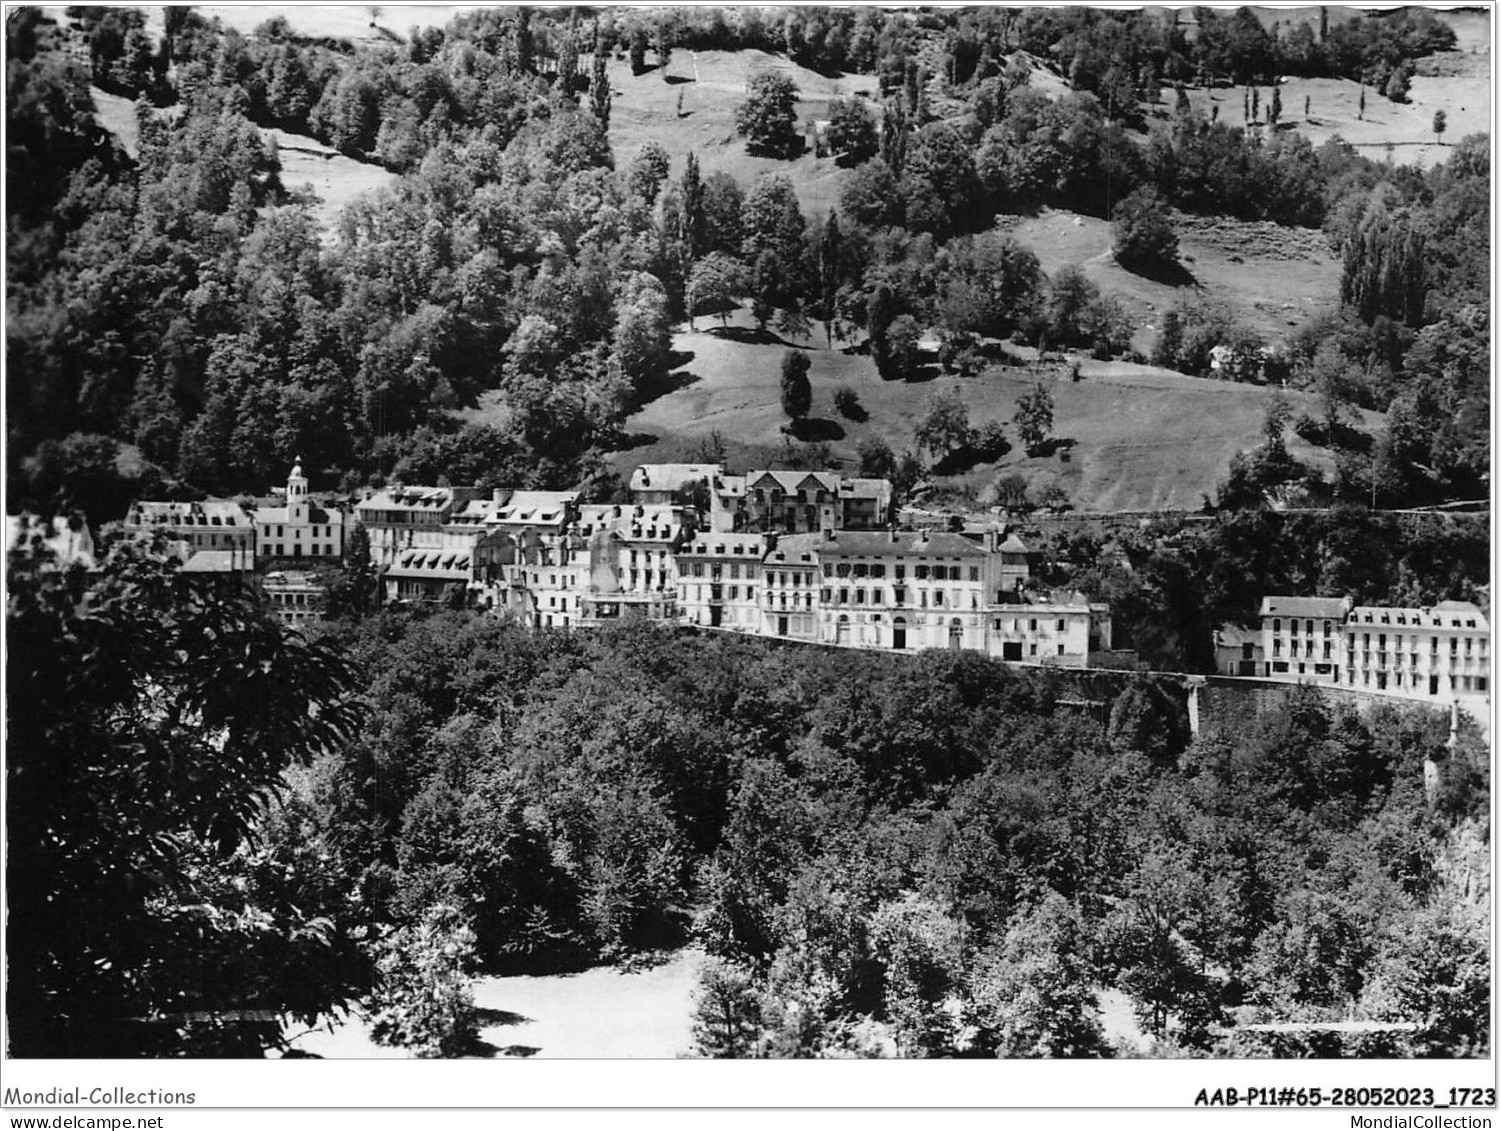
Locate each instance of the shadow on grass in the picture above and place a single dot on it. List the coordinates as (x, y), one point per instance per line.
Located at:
(814, 429)
(752, 336)
(1173, 274)
(855, 413)
(675, 80)
(520, 1050)
(663, 383)
(678, 359)
(500, 1017)
(1052, 447)
(629, 440)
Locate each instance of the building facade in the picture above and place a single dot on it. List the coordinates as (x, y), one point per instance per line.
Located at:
(399, 518)
(720, 581)
(295, 596)
(1436, 654)
(217, 526)
(301, 528)
(1300, 638)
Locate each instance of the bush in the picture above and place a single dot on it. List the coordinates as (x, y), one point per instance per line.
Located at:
(1143, 232)
(848, 403)
(422, 999)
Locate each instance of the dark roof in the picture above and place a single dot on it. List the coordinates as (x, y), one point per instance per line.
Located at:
(1315, 607)
(885, 543)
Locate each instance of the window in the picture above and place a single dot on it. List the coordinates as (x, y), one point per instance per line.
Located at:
(1326, 628)
(859, 596)
(1032, 625)
(1276, 624)
(1033, 650)
(1060, 649)
(899, 571)
(1294, 625)
(974, 573)
(1060, 624)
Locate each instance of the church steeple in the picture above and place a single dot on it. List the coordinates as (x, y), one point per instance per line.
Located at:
(297, 493)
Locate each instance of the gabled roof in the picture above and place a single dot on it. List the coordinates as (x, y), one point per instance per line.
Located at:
(793, 480)
(1014, 545)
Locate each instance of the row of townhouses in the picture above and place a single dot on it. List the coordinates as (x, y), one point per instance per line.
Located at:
(808, 556)
(1437, 654)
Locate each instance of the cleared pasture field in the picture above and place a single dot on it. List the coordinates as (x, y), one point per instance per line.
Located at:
(1142, 437)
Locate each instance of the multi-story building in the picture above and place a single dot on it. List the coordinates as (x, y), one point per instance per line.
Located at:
(632, 570)
(791, 582)
(299, 529)
(800, 502)
(407, 518)
(220, 527)
(1438, 654)
(898, 589)
(450, 573)
(296, 596)
(660, 484)
(720, 580)
(864, 504)
(1058, 628)
(1300, 638)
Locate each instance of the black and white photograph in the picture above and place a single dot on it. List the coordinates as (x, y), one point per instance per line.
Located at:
(675, 533)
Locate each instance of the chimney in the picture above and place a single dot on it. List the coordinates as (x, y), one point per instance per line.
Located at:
(993, 539)
(828, 533)
(922, 536)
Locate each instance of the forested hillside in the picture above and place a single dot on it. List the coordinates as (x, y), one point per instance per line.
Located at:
(177, 323)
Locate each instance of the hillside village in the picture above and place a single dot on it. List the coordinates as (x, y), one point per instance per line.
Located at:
(846, 531)
(810, 557)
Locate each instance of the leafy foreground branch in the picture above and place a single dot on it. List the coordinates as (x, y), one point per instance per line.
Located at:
(150, 721)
